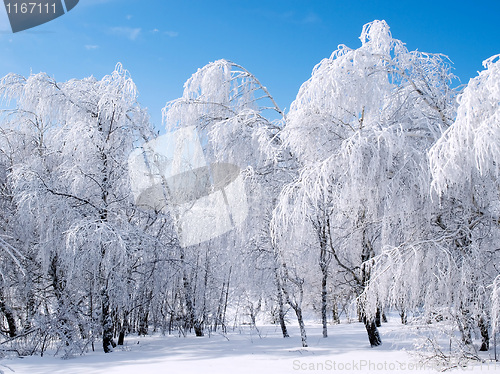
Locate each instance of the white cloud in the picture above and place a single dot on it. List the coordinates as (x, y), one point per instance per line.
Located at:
(90, 47)
(129, 32)
(129, 17)
(292, 17)
(172, 34)
(311, 18)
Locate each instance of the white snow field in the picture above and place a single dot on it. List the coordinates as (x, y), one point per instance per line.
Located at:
(243, 351)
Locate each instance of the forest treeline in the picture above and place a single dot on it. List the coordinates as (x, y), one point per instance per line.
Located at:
(376, 191)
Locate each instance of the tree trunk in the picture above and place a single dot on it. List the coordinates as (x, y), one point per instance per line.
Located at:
(121, 337)
(123, 329)
(192, 321)
(143, 320)
(373, 334)
(360, 312)
(370, 325)
(225, 302)
(485, 337)
(378, 318)
(324, 319)
(324, 260)
(300, 320)
(107, 324)
(335, 311)
(198, 328)
(296, 306)
(9, 315)
(30, 303)
(404, 319)
(281, 305)
(58, 286)
(218, 318)
(204, 312)
(463, 322)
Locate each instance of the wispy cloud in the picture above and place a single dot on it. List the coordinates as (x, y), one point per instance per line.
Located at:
(128, 32)
(90, 47)
(290, 17)
(172, 34)
(311, 18)
(129, 17)
(293, 17)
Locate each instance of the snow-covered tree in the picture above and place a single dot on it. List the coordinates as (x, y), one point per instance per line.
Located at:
(360, 127)
(470, 148)
(376, 190)
(225, 105)
(464, 165)
(73, 190)
(447, 269)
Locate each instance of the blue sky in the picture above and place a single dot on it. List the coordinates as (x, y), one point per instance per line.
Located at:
(162, 42)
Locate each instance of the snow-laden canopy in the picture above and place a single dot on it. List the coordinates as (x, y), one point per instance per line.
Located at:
(472, 144)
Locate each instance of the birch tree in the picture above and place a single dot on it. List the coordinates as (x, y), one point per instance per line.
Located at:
(360, 127)
(225, 104)
(449, 268)
(464, 165)
(79, 178)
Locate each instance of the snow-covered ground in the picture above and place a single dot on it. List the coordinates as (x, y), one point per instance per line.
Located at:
(247, 350)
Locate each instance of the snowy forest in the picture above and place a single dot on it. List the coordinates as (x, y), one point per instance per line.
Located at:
(375, 193)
